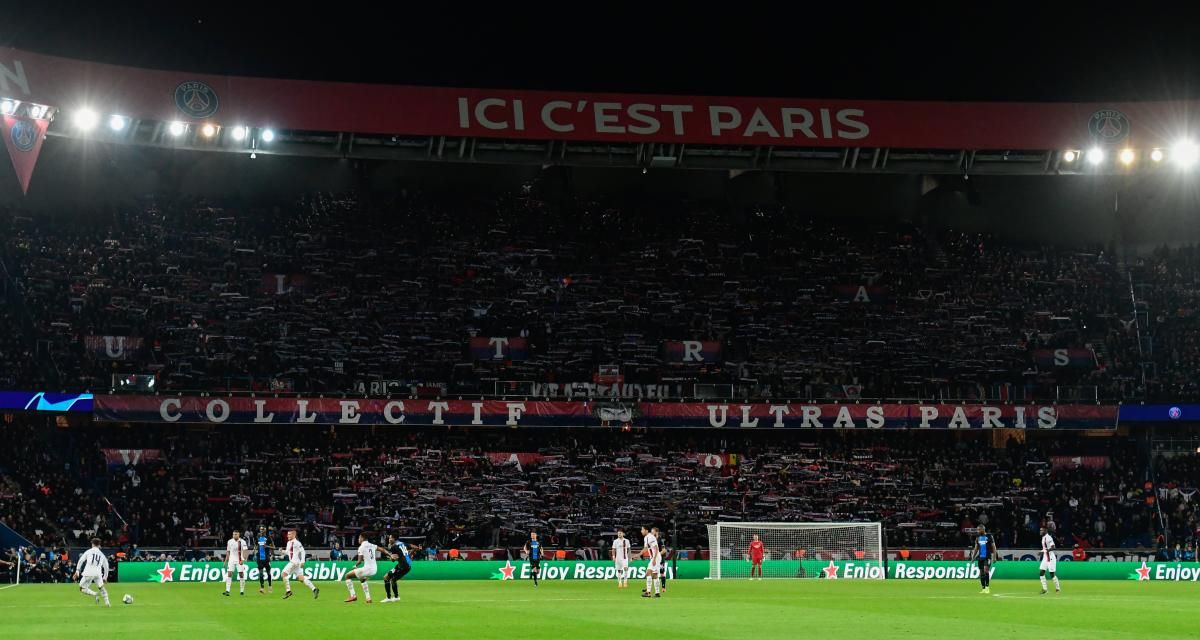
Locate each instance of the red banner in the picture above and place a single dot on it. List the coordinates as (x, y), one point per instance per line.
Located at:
(283, 283)
(113, 347)
(520, 459)
(498, 348)
(23, 137)
(1074, 462)
(692, 351)
(928, 554)
(1057, 358)
(131, 457)
(242, 410)
(854, 416)
(713, 460)
(545, 115)
(338, 411)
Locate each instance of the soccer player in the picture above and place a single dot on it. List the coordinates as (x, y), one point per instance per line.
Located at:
(398, 551)
(756, 552)
(295, 567)
(235, 561)
(620, 556)
(534, 549)
(984, 550)
(367, 552)
(665, 555)
(94, 567)
(1049, 562)
(651, 551)
(266, 549)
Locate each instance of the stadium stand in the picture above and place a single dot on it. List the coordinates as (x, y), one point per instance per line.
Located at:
(483, 489)
(803, 308)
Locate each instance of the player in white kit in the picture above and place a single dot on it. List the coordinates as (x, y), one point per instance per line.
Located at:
(93, 565)
(1049, 562)
(367, 554)
(654, 555)
(235, 562)
(295, 566)
(620, 556)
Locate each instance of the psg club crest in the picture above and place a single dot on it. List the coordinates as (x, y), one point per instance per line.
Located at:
(196, 99)
(1108, 126)
(23, 135)
(1174, 412)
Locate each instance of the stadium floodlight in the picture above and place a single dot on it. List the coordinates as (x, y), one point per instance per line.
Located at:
(1069, 156)
(177, 128)
(1095, 155)
(239, 133)
(1156, 155)
(117, 123)
(7, 107)
(1185, 153)
(267, 135)
(208, 130)
(253, 155)
(1127, 157)
(86, 119)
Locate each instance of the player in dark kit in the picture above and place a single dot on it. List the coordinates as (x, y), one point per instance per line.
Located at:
(984, 551)
(398, 551)
(262, 557)
(534, 549)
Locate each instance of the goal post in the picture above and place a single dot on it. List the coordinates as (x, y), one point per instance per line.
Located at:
(796, 549)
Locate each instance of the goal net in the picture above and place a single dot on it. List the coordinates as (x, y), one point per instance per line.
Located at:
(797, 549)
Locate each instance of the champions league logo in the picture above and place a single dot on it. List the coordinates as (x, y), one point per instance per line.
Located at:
(1108, 126)
(196, 99)
(23, 135)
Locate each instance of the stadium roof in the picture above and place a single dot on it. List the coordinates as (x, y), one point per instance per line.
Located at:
(311, 117)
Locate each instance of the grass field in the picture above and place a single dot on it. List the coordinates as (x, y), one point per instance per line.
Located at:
(567, 610)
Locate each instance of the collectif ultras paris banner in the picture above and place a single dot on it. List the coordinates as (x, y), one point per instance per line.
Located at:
(592, 413)
(164, 572)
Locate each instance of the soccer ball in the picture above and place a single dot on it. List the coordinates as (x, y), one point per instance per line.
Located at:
(128, 599)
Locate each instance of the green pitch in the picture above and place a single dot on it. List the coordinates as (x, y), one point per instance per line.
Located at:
(568, 610)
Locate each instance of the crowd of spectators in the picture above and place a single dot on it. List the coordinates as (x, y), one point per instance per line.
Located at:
(486, 489)
(1167, 283)
(322, 293)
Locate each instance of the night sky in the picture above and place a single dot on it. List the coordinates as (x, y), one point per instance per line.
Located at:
(1092, 52)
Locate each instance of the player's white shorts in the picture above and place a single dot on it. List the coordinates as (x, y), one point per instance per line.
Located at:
(365, 572)
(622, 567)
(293, 570)
(239, 567)
(86, 580)
(1049, 565)
(655, 565)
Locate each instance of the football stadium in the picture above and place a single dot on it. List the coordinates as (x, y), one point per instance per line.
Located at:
(307, 357)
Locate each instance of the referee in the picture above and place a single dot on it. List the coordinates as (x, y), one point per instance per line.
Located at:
(266, 550)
